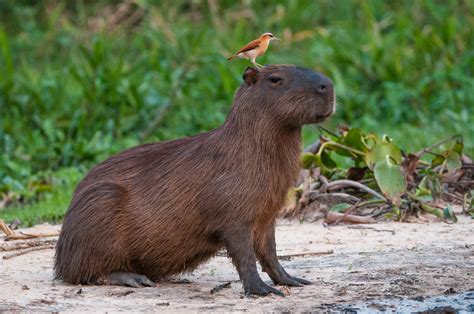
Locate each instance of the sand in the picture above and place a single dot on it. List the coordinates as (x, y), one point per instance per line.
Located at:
(360, 263)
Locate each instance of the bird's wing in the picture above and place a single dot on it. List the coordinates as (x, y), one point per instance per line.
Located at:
(250, 46)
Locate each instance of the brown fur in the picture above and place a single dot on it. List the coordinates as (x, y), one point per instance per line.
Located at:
(164, 208)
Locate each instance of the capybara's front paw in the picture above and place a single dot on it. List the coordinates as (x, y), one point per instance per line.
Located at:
(291, 281)
(261, 289)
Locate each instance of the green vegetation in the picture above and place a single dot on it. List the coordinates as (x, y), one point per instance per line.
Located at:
(80, 80)
(398, 184)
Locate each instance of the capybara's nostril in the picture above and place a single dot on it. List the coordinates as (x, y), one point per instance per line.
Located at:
(322, 88)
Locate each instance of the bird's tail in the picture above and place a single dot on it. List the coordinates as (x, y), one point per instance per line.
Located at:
(231, 57)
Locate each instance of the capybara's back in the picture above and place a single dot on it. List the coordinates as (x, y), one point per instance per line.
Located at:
(161, 209)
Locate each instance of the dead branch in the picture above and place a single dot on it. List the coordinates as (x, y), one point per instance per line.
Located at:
(371, 228)
(340, 184)
(11, 235)
(341, 197)
(333, 217)
(32, 249)
(287, 257)
(19, 245)
(5, 229)
(27, 236)
(429, 148)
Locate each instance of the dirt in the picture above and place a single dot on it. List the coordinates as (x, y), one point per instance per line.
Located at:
(361, 265)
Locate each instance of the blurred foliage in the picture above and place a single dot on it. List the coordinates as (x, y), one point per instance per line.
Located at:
(80, 80)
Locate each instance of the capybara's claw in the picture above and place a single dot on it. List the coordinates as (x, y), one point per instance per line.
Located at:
(262, 289)
(301, 281)
(291, 281)
(129, 280)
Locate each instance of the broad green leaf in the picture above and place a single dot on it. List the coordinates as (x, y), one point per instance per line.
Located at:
(453, 161)
(390, 178)
(353, 139)
(340, 208)
(423, 193)
(327, 161)
(458, 147)
(379, 152)
(448, 214)
(438, 160)
(308, 159)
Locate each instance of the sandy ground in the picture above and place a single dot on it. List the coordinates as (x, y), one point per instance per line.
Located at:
(368, 262)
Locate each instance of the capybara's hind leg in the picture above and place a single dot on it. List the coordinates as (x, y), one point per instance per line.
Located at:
(265, 249)
(128, 279)
(93, 242)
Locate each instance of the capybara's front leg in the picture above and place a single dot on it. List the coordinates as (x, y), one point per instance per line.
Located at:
(265, 249)
(127, 279)
(238, 241)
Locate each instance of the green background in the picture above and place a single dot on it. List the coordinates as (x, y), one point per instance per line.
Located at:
(80, 80)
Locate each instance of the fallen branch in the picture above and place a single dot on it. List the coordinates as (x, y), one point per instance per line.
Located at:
(428, 149)
(27, 236)
(220, 287)
(28, 251)
(341, 197)
(287, 257)
(6, 230)
(11, 235)
(333, 217)
(371, 228)
(19, 245)
(340, 184)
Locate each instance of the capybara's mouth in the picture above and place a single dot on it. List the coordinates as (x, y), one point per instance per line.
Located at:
(320, 117)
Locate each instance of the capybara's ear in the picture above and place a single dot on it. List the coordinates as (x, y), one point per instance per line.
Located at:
(250, 75)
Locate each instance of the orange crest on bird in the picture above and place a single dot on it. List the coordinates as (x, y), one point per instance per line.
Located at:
(255, 48)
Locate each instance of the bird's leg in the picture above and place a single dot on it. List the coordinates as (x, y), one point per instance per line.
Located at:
(256, 64)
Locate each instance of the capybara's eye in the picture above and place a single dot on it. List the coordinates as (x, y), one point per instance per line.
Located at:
(275, 79)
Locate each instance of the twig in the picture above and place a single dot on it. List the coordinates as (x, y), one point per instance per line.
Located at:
(370, 202)
(333, 217)
(429, 148)
(324, 182)
(371, 228)
(334, 144)
(314, 196)
(11, 235)
(287, 257)
(26, 236)
(6, 230)
(453, 196)
(338, 184)
(220, 287)
(19, 245)
(327, 131)
(313, 148)
(38, 248)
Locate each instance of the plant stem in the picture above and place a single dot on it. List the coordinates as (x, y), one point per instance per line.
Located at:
(327, 131)
(428, 149)
(330, 143)
(349, 183)
(370, 202)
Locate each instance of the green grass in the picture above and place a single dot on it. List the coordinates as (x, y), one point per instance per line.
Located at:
(79, 81)
(51, 206)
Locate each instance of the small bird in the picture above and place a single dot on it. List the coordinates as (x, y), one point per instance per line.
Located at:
(255, 48)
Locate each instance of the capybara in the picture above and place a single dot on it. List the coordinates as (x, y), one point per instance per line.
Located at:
(160, 209)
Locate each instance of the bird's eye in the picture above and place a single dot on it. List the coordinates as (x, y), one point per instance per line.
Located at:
(275, 79)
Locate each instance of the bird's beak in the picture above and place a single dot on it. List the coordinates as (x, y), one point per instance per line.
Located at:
(274, 38)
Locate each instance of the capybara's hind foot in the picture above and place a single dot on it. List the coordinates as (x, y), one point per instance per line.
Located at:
(128, 279)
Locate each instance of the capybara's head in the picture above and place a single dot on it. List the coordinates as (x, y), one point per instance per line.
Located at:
(289, 95)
